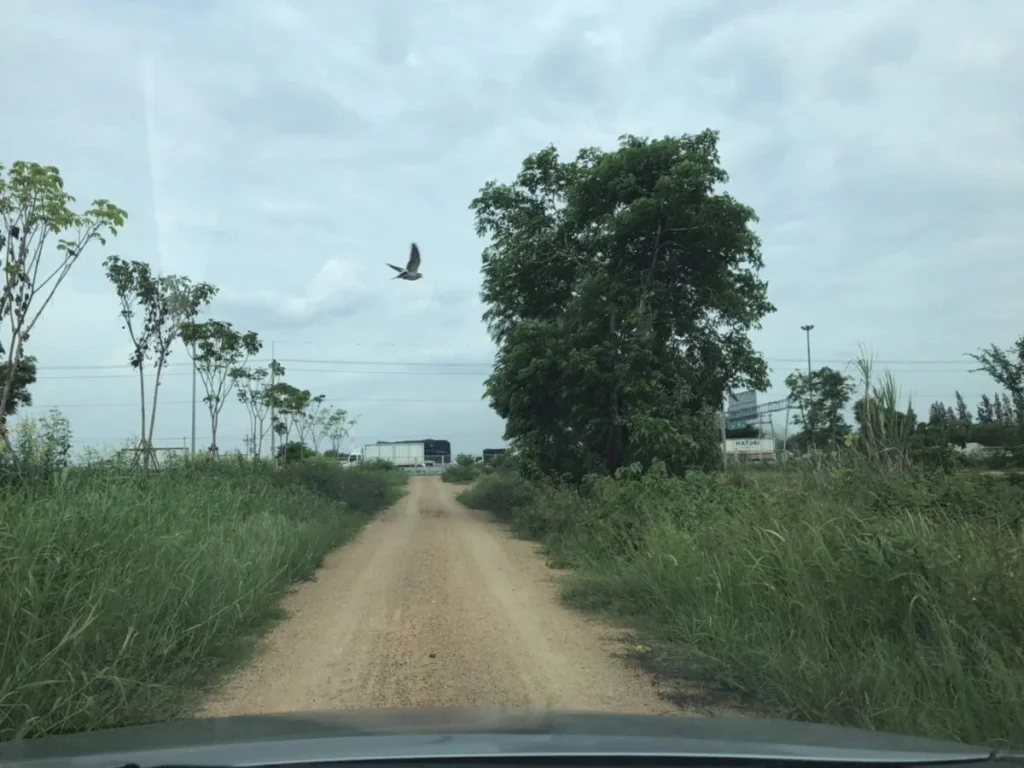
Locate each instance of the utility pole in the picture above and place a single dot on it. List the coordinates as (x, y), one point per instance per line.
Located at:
(193, 399)
(725, 455)
(810, 427)
(273, 359)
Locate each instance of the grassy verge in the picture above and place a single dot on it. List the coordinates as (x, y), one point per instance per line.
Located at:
(124, 594)
(849, 596)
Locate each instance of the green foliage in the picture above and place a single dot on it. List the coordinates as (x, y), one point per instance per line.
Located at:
(460, 473)
(125, 593)
(378, 465)
(335, 425)
(312, 421)
(154, 310)
(295, 451)
(620, 288)
(844, 595)
(219, 353)
(502, 493)
(999, 427)
(294, 410)
(41, 450)
(254, 393)
(985, 414)
(962, 414)
(821, 398)
(24, 377)
(884, 433)
(365, 490)
(464, 470)
(1006, 367)
(501, 462)
(34, 208)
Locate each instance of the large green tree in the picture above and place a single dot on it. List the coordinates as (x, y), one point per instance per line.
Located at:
(620, 288)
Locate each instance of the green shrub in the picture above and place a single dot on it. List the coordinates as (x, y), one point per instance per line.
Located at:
(364, 489)
(42, 448)
(500, 493)
(460, 473)
(295, 451)
(378, 465)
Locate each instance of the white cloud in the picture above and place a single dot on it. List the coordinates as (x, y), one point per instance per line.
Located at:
(285, 150)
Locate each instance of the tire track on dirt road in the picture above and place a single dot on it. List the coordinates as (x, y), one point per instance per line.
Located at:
(434, 605)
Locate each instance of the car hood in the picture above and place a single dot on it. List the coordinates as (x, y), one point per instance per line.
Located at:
(384, 734)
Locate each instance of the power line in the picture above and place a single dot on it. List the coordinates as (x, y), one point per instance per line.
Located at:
(478, 373)
(326, 400)
(852, 359)
(267, 361)
(293, 370)
(444, 363)
(135, 404)
(240, 436)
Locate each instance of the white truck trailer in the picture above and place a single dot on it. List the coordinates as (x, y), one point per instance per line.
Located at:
(751, 448)
(399, 454)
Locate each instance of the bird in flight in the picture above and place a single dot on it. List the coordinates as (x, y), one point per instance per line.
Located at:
(412, 269)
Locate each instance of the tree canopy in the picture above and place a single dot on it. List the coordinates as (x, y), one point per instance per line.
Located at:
(821, 397)
(220, 353)
(620, 288)
(1006, 366)
(24, 377)
(35, 208)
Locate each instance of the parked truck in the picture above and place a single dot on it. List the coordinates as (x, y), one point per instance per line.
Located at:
(399, 454)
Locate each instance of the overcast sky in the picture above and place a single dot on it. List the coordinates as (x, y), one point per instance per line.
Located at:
(285, 150)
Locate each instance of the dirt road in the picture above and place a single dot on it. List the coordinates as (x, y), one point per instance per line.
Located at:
(434, 605)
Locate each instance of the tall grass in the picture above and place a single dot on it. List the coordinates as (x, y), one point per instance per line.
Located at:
(124, 594)
(890, 600)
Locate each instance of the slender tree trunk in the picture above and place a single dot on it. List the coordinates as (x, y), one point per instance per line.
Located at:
(152, 410)
(214, 419)
(13, 361)
(613, 443)
(253, 427)
(3, 427)
(142, 408)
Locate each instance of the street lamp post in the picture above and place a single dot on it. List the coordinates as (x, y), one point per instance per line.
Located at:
(273, 359)
(193, 400)
(807, 330)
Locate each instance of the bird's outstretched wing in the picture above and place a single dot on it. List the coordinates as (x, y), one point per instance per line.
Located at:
(397, 269)
(414, 259)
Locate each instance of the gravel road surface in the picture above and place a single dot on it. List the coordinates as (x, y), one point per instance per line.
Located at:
(434, 605)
